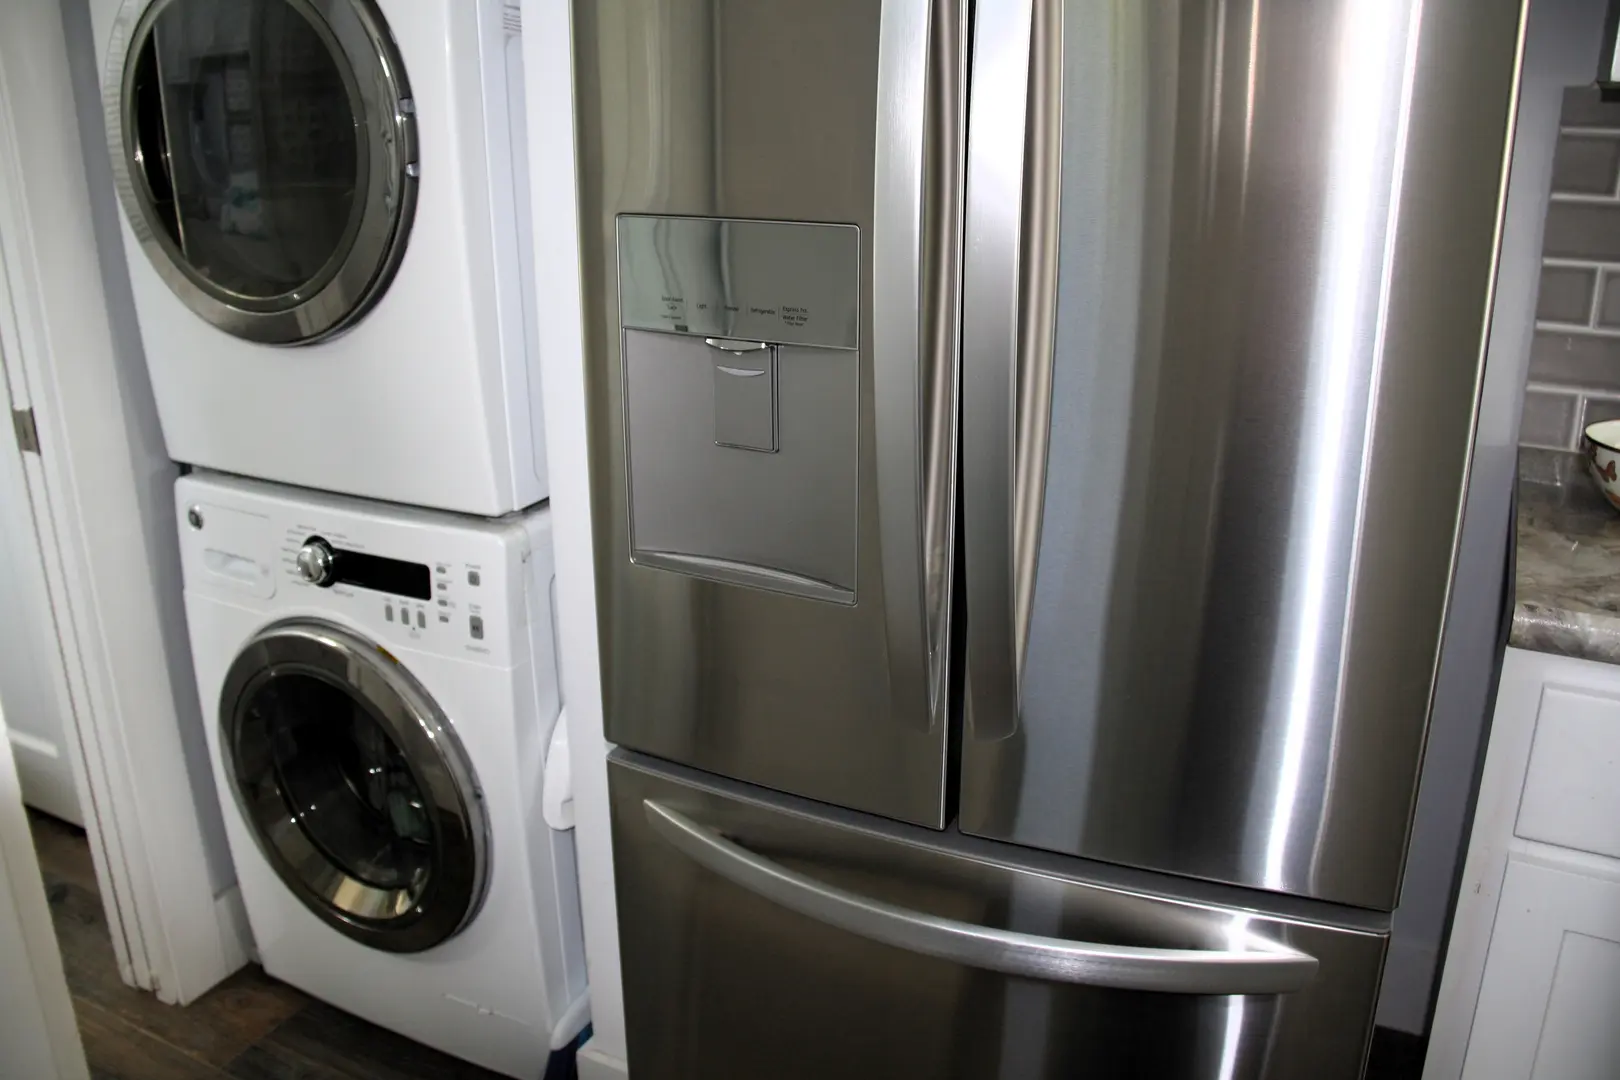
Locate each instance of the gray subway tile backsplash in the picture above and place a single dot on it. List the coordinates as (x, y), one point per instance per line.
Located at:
(1583, 230)
(1586, 165)
(1548, 419)
(1575, 356)
(1609, 307)
(1583, 108)
(1597, 409)
(1576, 361)
(1566, 294)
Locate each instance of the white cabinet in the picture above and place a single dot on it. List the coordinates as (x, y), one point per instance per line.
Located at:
(1549, 1005)
(1531, 989)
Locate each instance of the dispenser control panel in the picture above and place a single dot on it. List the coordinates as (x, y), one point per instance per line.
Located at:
(788, 283)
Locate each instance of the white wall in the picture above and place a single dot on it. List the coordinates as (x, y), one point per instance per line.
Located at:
(1561, 49)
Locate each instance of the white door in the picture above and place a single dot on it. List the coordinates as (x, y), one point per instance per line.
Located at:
(1551, 994)
(33, 680)
(38, 1035)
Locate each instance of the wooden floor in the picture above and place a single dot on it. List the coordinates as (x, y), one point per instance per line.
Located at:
(250, 1027)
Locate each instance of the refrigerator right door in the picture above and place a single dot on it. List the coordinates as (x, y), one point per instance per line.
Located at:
(1226, 279)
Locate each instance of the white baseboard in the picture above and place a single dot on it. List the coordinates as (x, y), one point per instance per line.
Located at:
(595, 1065)
(1409, 975)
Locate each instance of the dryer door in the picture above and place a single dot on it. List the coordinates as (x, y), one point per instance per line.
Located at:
(265, 154)
(354, 785)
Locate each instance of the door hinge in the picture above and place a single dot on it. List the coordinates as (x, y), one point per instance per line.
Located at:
(22, 422)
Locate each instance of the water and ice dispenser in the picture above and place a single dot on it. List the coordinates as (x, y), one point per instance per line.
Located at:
(741, 400)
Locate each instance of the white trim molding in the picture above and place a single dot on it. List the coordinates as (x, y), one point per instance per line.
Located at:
(101, 491)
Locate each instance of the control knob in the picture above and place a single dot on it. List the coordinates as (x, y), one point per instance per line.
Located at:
(315, 560)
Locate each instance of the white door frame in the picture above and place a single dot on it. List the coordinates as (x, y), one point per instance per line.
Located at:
(100, 493)
(549, 91)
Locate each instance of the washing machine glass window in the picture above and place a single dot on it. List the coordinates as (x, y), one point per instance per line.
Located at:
(265, 154)
(354, 786)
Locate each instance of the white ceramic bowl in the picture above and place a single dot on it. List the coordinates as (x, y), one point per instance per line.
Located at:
(1603, 458)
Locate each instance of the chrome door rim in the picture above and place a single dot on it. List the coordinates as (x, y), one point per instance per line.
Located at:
(388, 919)
(363, 265)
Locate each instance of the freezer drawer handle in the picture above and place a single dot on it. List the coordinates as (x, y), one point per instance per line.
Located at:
(1262, 967)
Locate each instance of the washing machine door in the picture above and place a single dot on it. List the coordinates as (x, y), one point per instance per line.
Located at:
(265, 154)
(354, 785)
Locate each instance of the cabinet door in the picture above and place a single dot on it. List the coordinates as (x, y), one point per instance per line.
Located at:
(1551, 992)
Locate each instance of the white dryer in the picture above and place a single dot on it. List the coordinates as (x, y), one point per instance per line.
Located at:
(326, 220)
(380, 686)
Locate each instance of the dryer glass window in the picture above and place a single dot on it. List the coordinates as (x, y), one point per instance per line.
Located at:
(249, 128)
(265, 155)
(346, 783)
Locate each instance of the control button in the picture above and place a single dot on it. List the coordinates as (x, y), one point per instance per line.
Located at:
(443, 585)
(421, 619)
(473, 577)
(314, 561)
(388, 612)
(475, 626)
(444, 616)
(443, 602)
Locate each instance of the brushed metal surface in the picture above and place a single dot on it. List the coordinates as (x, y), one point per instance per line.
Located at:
(1246, 964)
(731, 983)
(791, 514)
(1276, 240)
(760, 280)
(825, 111)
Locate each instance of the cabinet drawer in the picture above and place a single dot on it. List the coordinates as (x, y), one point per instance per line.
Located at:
(1572, 787)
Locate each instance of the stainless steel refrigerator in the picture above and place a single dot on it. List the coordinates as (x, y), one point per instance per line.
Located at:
(1028, 447)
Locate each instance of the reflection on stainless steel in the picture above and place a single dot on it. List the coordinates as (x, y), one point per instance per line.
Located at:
(991, 299)
(372, 241)
(435, 901)
(1247, 965)
(1275, 251)
(784, 992)
(796, 110)
(784, 282)
(1037, 277)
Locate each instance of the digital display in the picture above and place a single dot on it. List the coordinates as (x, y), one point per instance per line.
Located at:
(414, 580)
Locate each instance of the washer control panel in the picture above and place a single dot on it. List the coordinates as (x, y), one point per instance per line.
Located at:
(409, 579)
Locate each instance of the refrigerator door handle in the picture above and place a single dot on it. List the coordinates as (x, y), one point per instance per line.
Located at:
(916, 273)
(1253, 965)
(1009, 285)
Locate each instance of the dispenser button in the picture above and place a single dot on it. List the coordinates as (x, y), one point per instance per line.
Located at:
(475, 627)
(744, 395)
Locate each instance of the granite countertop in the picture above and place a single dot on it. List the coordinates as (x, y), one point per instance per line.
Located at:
(1567, 592)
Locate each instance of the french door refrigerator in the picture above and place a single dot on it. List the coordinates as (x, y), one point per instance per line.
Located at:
(1028, 443)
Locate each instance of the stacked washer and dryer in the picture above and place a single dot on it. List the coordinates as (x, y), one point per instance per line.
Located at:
(326, 223)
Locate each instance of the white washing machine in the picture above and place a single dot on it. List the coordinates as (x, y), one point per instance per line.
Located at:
(326, 220)
(380, 686)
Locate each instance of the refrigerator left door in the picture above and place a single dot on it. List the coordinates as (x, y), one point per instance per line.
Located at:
(770, 205)
(770, 942)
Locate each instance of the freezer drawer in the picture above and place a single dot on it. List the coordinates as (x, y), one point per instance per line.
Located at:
(761, 941)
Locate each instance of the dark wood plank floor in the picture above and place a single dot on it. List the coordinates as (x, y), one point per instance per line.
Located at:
(250, 1027)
